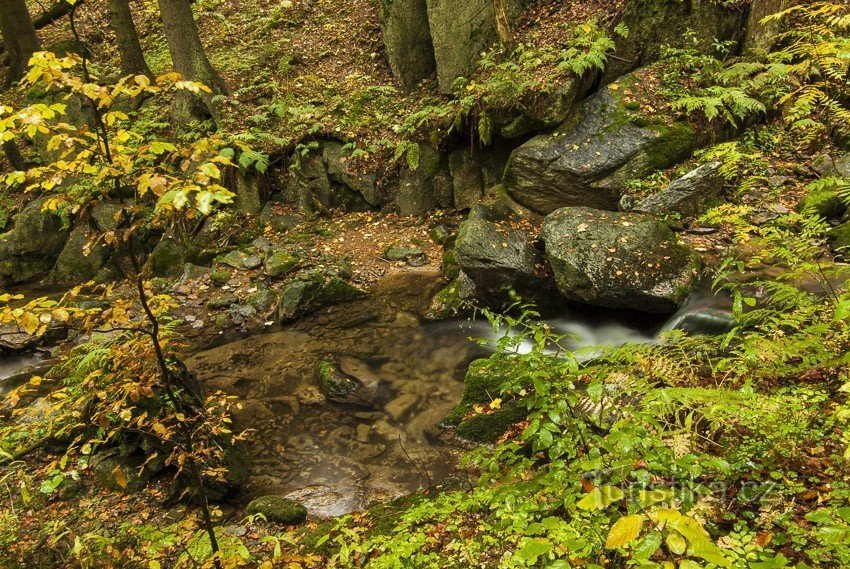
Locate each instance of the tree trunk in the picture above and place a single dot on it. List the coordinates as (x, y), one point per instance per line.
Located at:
(190, 60)
(19, 35)
(127, 38)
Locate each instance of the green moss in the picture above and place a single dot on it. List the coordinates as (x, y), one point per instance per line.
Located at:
(840, 238)
(673, 144)
(278, 509)
(280, 263)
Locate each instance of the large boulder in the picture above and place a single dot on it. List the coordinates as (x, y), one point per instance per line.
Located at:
(588, 160)
(312, 188)
(407, 39)
(653, 24)
(688, 196)
(460, 31)
(618, 260)
(32, 246)
(495, 256)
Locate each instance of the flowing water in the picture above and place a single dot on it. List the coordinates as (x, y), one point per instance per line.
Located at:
(336, 458)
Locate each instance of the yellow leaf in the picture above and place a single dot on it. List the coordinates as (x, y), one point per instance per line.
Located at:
(496, 404)
(119, 476)
(624, 531)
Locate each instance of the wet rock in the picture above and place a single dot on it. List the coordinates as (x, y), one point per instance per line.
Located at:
(496, 257)
(280, 263)
(410, 255)
(278, 509)
(32, 246)
(439, 234)
(303, 296)
(689, 195)
(588, 160)
(453, 300)
(407, 38)
(618, 260)
(222, 302)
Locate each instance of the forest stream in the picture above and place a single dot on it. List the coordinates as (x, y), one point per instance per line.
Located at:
(335, 457)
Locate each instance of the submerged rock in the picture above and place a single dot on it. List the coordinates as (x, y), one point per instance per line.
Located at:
(588, 160)
(278, 509)
(618, 260)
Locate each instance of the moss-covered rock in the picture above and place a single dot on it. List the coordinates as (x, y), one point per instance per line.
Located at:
(653, 24)
(80, 259)
(407, 38)
(840, 239)
(413, 256)
(496, 257)
(32, 246)
(303, 296)
(482, 385)
(453, 300)
(278, 509)
(460, 31)
(170, 255)
(120, 474)
(619, 260)
(590, 158)
(279, 263)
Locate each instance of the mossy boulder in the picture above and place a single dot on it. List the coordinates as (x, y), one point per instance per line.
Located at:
(653, 24)
(452, 300)
(824, 202)
(460, 31)
(30, 249)
(426, 187)
(689, 195)
(81, 258)
(481, 386)
(588, 160)
(314, 187)
(407, 39)
(840, 239)
(413, 256)
(280, 263)
(619, 260)
(278, 509)
(120, 474)
(306, 295)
